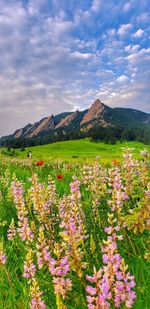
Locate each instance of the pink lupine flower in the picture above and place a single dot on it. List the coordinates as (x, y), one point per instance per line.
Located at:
(105, 258)
(11, 233)
(119, 275)
(73, 231)
(123, 289)
(62, 286)
(111, 282)
(36, 301)
(29, 270)
(97, 296)
(108, 230)
(29, 267)
(43, 253)
(60, 268)
(42, 198)
(23, 229)
(91, 290)
(91, 278)
(74, 186)
(2, 257)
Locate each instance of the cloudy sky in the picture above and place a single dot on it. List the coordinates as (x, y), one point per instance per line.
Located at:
(60, 55)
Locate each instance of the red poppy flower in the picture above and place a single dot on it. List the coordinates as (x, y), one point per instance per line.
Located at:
(115, 162)
(39, 163)
(59, 176)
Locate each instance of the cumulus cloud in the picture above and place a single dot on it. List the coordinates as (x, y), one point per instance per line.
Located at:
(79, 55)
(96, 5)
(127, 6)
(143, 17)
(138, 34)
(124, 29)
(122, 79)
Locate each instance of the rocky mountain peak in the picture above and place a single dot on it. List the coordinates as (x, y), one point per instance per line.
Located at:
(97, 103)
(94, 112)
(43, 125)
(67, 120)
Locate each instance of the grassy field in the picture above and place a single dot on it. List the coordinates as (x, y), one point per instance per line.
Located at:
(60, 222)
(81, 150)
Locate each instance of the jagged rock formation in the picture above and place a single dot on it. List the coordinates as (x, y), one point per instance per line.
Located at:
(23, 131)
(67, 120)
(35, 129)
(98, 114)
(44, 125)
(94, 112)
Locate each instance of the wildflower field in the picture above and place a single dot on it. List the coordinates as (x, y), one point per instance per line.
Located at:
(75, 235)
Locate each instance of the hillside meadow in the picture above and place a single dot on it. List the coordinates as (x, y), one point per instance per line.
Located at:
(79, 150)
(74, 227)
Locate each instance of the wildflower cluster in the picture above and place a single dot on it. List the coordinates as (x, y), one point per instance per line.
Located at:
(113, 284)
(23, 229)
(130, 166)
(95, 177)
(60, 268)
(2, 255)
(11, 233)
(42, 199)
(29, 273)
(73, 230)
(43, 251)
(139, 218)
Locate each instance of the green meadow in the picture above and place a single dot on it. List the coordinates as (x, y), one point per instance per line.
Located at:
(78, 150)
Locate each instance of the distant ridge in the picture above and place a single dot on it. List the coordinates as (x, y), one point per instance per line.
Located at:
(98, 114)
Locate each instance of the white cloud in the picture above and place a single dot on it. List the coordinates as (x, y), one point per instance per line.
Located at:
(126, 96)
(138, 34)
(143, 17)
(96, 5)
(122, 79)
(34, 6)
(141, 56)
(78, 55)
(124, 29)
(132, 48)
(127, 6)
(111, 32)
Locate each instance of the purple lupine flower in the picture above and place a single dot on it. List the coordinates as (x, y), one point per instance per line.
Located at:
(43, 253)
(36, 300)
(2, 257)
(23, 229)
(74, 186)
(62, 286)
(11, 233)
(112, 283)
(29, 267)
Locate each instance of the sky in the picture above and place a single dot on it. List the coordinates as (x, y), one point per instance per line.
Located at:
(61, 55)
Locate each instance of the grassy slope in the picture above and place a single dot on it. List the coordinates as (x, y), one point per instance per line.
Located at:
(84, 149)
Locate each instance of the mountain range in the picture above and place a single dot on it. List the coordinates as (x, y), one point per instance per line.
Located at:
(98, 114)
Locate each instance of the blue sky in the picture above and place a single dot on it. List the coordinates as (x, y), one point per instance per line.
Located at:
(60, 55)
